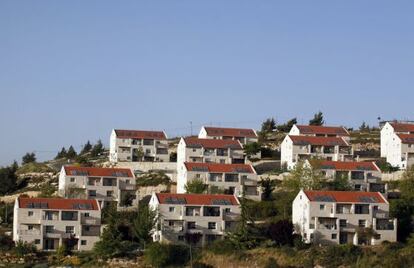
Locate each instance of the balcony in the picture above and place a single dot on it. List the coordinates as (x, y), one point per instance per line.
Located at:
(29, 232)
(90, 221)
(230, 216)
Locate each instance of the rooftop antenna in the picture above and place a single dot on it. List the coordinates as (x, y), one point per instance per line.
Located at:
(191, 128)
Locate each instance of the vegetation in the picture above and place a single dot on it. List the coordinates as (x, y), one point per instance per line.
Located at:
(287, 126)
(97, 149)
(23, 248)
(7, 180)
(34, 168)
(28, 158)
(317, 119)
(268, 125)
(144, 225)
(86, 148)
(196, 186)
(251, 149)
(153, 179)
(163, 255)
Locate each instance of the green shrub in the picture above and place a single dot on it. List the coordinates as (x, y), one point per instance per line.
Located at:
(161, 255)
(6, 242)
(23, 248)
(222, 247)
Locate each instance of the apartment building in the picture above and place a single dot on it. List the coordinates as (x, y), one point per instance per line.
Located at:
(397, 144)
(180, 215)
(138, 145)
(244, 135)
(230, 178)
(320, 131)
(362, 176)
(333, 217)
(51, 222)
(106, 185)
(209, 151)
(300, 148)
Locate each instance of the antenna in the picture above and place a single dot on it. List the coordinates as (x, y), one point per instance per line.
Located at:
(191, 128)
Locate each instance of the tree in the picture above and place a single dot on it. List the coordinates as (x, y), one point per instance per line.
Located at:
(195, 186)
(144, 225)
(281, 232)
(28, 158)
(251, 149)
(71, 154)
(267, 188)
(7, 180)
(127, 199)
(61, 154)
(86, 148)
(317, 119)
(288, 125)
(308, 177)
(364, 127)
(268, 125)
(339, 183)
(97, 149)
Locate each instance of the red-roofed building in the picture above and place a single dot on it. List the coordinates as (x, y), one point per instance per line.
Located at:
(107, 185)
(362, 176)
(397, 144)
(138, 145)
(50, 222)
(301, 148)
(209, 215)
(337, 217)
(319, 131)
(230, 178)
(244, 135)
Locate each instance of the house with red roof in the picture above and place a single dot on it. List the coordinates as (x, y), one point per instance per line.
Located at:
(206, 216)
(397, 144)
(342, 217)
(231, 179)
(244, 135)
(319, 131)
(48, 223)
(296, 148)
(362, 176)
(106, 185)
(138, 145)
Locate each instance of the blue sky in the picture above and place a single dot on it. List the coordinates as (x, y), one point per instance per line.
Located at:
(73, 70)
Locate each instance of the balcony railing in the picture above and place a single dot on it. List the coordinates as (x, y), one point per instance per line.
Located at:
(29, 232)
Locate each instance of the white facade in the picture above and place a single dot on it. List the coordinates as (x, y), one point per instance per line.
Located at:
(244, 135)
(301, 148)
(230, 178)
(103, 184)
(138, 145)
(211, 216)
(320, 131)
(48, 222)
(328, 217)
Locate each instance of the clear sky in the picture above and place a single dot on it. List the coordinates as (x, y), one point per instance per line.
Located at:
(73, 70)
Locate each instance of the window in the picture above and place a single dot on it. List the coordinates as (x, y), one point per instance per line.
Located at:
(357, 187)
(198, 176)
(69, 216)
(377, 236)
(30, 213)
(191, 225)
(333, 236)
(127, 182)
(30, 227)
(321, 207)
(92, 193)
(212, 225)
(194, 150)
(362, 223)
(83, 242)
(342, 223)
(222, 161)
(70, 229)
(227, 210)
(180, 238)
(49, 229)
(86, 215)
(72, 179)
(87, 228)
(109, 193)
(170, 223)
(171, 209)
(37, 241)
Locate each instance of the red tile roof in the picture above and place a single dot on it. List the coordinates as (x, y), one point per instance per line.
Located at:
(339, 165)
(219, 168)
(326, 130)
(406, 138)
(346, 197)
(401, 127)
(58, 203)
(140, 134)
(212, 143)
(230, 132)
(312, 140)
(99, 172)
(197, 199)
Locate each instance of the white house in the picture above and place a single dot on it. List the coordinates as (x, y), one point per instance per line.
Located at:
(333, 217)
(51, 222)
(362, 176)
(397, 144)
(320, 131)
(244, 135)
(138, 145)
(301, 148)
(210, 216)
(230, 178)
(106, 185)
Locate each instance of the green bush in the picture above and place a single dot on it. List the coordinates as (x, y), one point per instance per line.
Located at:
(222, 247)
(161, 255)
(23, 248)
(6, 242)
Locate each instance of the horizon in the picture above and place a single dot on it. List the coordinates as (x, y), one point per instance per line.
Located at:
(73, 71)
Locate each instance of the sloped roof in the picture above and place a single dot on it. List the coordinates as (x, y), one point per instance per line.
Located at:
(401, 127)
(140, 134)
(219, 168)
(349, 166)
(231, 132)
(197, 199)
(58, 203)
(99, 172)
(345, 196)
(326, 130)
(312, 140)
(406, 138)
(192, 142)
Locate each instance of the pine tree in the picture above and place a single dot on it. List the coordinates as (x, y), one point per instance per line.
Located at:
(28, 158)
(61, 154)
(86, 148)
(71, 154)
(317, 119)
(97, 149)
